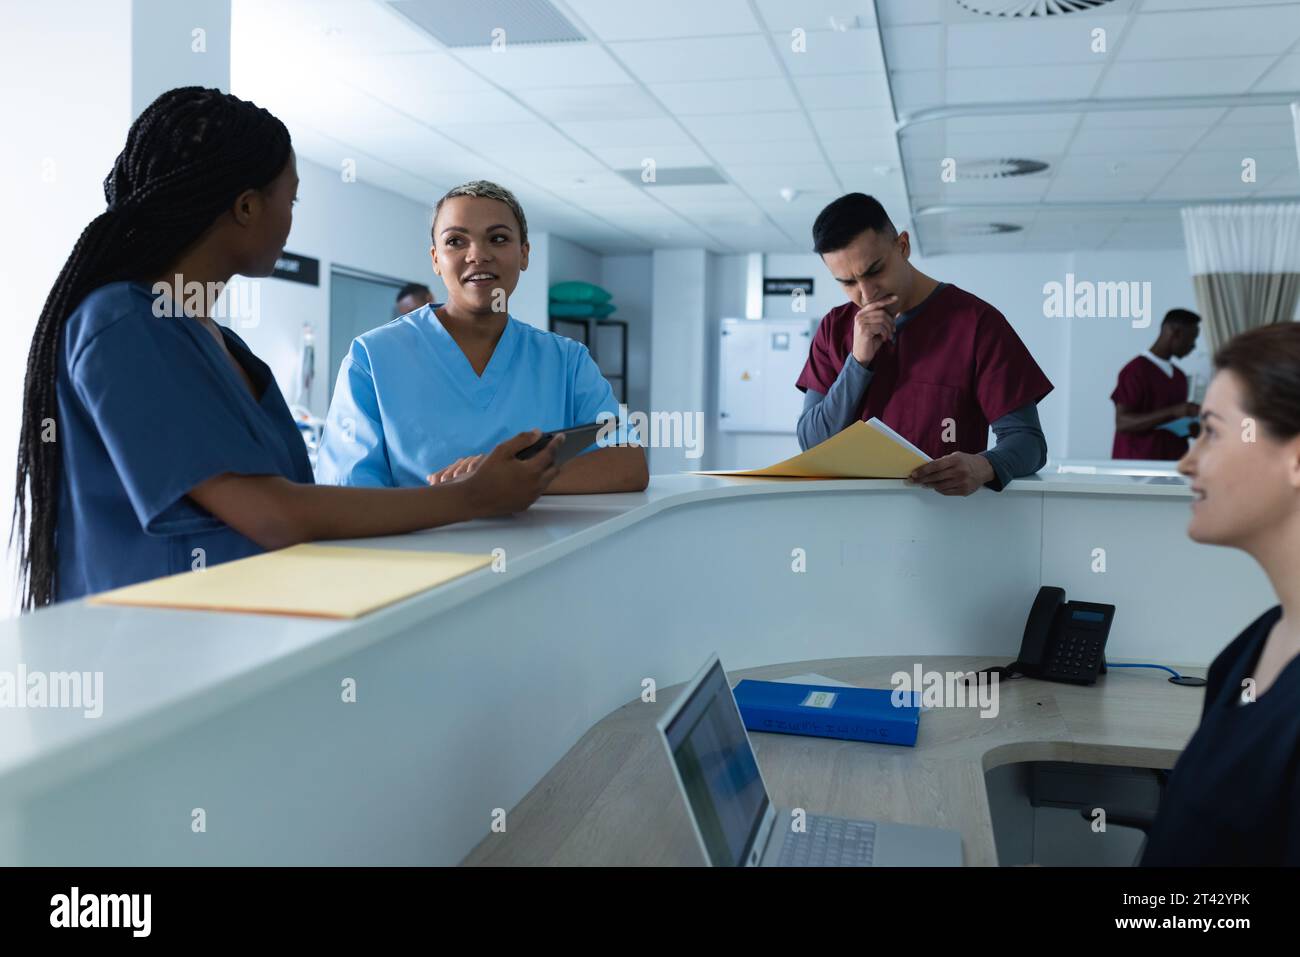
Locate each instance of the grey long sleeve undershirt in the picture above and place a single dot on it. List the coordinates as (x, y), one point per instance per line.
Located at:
(1021, 447)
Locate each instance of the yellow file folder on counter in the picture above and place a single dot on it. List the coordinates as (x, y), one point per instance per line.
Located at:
(863, 450)
(315, 581)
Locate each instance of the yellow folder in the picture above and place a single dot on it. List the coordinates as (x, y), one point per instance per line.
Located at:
(316, 581)
(863, 450)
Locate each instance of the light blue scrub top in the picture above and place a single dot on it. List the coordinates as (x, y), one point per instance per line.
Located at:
(149, 408)
(408, 403)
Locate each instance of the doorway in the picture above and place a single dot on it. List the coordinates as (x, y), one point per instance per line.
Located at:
(359, 302)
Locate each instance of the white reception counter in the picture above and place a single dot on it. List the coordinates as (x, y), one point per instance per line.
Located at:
(226, 739)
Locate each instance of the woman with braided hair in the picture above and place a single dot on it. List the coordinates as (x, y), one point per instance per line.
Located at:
(153, 440)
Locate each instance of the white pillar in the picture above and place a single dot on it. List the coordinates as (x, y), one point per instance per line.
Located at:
(178, 44)
(678, 333)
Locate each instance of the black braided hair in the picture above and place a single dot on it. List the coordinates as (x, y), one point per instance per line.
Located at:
(187, 158)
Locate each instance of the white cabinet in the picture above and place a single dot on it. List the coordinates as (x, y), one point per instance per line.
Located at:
(758, 363)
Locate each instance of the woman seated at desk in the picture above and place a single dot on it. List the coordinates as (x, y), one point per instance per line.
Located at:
(423, 398)
(153, 440)
(1234, 795)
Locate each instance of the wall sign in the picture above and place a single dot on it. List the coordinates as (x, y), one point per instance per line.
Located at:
(783, 287)
(297, 268)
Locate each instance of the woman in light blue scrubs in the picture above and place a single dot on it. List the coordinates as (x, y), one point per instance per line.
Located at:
(422, 398)
(153, 441)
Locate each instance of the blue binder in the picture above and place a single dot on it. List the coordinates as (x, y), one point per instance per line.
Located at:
(855, 714)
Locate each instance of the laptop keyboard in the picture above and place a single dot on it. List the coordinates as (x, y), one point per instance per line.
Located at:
(829, 842)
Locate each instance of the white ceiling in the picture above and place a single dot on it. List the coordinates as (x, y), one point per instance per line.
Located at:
(716, 83)
(681, 82)
(1116, 177)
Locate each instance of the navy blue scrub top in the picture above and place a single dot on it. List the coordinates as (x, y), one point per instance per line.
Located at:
(149, 408)
(1234, 795)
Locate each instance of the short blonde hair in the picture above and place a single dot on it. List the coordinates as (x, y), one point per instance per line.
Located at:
(484, 189)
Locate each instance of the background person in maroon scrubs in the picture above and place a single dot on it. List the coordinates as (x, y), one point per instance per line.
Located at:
(1152, 391)
(933, 362)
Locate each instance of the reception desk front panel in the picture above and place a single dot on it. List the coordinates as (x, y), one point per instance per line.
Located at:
(231, 739)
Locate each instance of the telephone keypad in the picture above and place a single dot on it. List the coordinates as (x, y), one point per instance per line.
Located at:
(1076, 658)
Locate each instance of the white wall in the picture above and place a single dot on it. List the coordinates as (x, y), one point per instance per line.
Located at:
(177, 44)
(64, 119)
(572, 263)
(679, 373)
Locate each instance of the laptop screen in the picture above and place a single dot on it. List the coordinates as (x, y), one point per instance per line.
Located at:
(718, 770)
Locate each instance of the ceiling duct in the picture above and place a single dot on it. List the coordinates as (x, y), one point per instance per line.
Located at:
(1027, 9)
(998, 168)
(984, 229)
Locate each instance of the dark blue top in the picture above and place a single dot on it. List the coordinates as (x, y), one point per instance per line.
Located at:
(149, 408)
(1234, 795)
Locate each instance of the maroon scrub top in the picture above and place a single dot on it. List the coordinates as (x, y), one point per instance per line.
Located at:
(958, 359)
(1143, 387)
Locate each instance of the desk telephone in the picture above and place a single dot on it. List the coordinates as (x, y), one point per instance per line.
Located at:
(1064, 640)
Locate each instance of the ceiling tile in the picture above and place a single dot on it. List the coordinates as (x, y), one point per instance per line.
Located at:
(832, 51)
(577, 103)
(605, 134)
(916, 90)
(1024, 144)
(726, 96)
(914, 47)
(847, 124)
(784, 16)
(1042, 42)
(1020, 83)
(1124, 140)
(844, 91)
(697, 59)
(528, 66)
(770, 178)
(1250, 140)
(507, 137)
(1229, 163)
(763, 128)
(1182, 77)
(1005, 122)
(1283, 77)
(632, 157)
(1213, 34)
(899, 12)
(1197, 117)
(802, 150)
(666, 18)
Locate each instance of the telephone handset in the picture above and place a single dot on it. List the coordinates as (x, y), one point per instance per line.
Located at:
(1064, 640)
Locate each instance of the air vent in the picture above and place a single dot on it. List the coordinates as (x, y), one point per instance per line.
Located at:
(465, 25)
(1025, 9)
(998, 168)
(985, 229)
(675, 176)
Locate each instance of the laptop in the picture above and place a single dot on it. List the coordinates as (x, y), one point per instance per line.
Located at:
(734, 820)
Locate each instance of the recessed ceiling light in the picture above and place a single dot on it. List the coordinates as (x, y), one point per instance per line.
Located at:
(675, 176)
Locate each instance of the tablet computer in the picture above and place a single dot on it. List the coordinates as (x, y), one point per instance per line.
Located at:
(576, 440)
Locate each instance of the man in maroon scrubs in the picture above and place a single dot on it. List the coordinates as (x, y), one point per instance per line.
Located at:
(1152, 391)
(933, 362)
